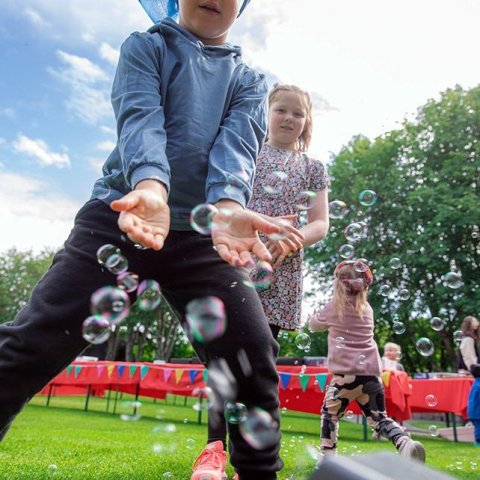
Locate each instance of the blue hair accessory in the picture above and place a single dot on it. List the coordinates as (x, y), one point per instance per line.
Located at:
(157, 10)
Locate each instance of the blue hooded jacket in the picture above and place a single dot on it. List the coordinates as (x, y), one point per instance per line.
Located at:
(188, 114)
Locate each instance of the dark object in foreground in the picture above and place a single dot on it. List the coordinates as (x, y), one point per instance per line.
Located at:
(376, 466)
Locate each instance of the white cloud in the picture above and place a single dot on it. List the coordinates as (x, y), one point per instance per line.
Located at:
(35, 18)
(89, 85)
(106, 146)
(35, 216)
(7, 112)
(39, 149)
(108, 130)
(108, 53)
(96, 164)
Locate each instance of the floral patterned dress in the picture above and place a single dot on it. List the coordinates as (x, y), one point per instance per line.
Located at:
(282, 184)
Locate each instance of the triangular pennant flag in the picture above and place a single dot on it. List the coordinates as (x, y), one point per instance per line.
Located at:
(386, 377)
(78, 369)
(69, 370)
(285, 379)
(205, 376)
(304, 379)
(167, 372)
(120, 370)
(100, 370)
(110, 369)
(143, 371)
(178, 374)
(322, 380)
(132, 369)
(193, 374)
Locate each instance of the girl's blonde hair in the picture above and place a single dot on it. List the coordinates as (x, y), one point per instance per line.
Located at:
(303, 141)
(342, 292)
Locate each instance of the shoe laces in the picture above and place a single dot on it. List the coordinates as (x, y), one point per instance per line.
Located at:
(209, 457)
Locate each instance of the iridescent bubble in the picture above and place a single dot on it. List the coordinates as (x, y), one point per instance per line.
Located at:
(201, 218)
(367, 198)
(303, 341)
(235, 413)
(275, 183)
(433, 430)
(105, 252)
(332, 393)
(346, 251)
(395, 263)
(130, 411)
(339, 342)
(303, 201)
(403, 294)
(96, 330)
(437, 323)
(282, 234)
(424, 346)
(149, 295)
(431, 400)
(398, 327)
(353, 232)
(458, 336)
(110, 303)
(360, 265)
(453, 280)
(205, 398)
(259, 429)
(117, 263)
(337, 209)
(385, 290)
(261, 277)
(348, 414)
(206, 318)
(52, 468)
(167, 475)
(190, 443)
(127, 281)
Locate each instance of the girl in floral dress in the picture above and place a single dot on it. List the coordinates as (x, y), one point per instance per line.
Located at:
(287, 182)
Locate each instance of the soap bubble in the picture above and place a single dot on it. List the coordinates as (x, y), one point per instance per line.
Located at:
(337, 209)
(206, 318)
(201, 218)
(110, 303)
(424, 346)
(367, 198)
(96, 330)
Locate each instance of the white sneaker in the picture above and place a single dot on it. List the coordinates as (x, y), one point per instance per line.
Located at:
(412, 449)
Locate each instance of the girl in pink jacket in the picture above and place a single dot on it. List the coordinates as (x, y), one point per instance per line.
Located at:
(355, 362)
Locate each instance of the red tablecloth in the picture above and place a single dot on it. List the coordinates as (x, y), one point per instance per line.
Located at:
(301, 388)
(450, 395)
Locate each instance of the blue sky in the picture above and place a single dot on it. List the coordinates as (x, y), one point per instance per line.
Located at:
(367, 64)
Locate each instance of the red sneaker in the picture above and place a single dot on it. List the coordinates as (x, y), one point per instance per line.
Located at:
(210, 464)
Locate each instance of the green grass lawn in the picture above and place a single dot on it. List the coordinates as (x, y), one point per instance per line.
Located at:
(65, 442)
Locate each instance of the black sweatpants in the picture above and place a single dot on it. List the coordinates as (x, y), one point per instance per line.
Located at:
(46, 335)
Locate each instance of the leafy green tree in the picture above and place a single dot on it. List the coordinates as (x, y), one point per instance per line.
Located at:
(426, 176)
(19, 272)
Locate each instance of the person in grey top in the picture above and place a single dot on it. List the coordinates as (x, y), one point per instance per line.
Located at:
(190, 123)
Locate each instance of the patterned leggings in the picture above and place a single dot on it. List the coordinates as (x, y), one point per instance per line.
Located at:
(367, 391)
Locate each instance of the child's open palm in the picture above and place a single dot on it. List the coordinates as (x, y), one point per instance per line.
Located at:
(235, 237)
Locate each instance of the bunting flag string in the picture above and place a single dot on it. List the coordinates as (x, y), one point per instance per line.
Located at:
(110, 369)
(120, 370)
(285, 379)
(304, 379)
(178, 374)
(386, 377)
(69, 370)
(193, 374)
(100, 370)
(132, 369)
(78, 369)
(167, 372)
(143, 371)
(322, 380)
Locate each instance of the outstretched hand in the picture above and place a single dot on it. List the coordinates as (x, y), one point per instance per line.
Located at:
(235, 236)
(144, 216)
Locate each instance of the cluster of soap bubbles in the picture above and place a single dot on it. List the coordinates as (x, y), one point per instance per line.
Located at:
(110, 305)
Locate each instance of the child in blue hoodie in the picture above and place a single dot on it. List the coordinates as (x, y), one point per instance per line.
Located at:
(190, 123)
